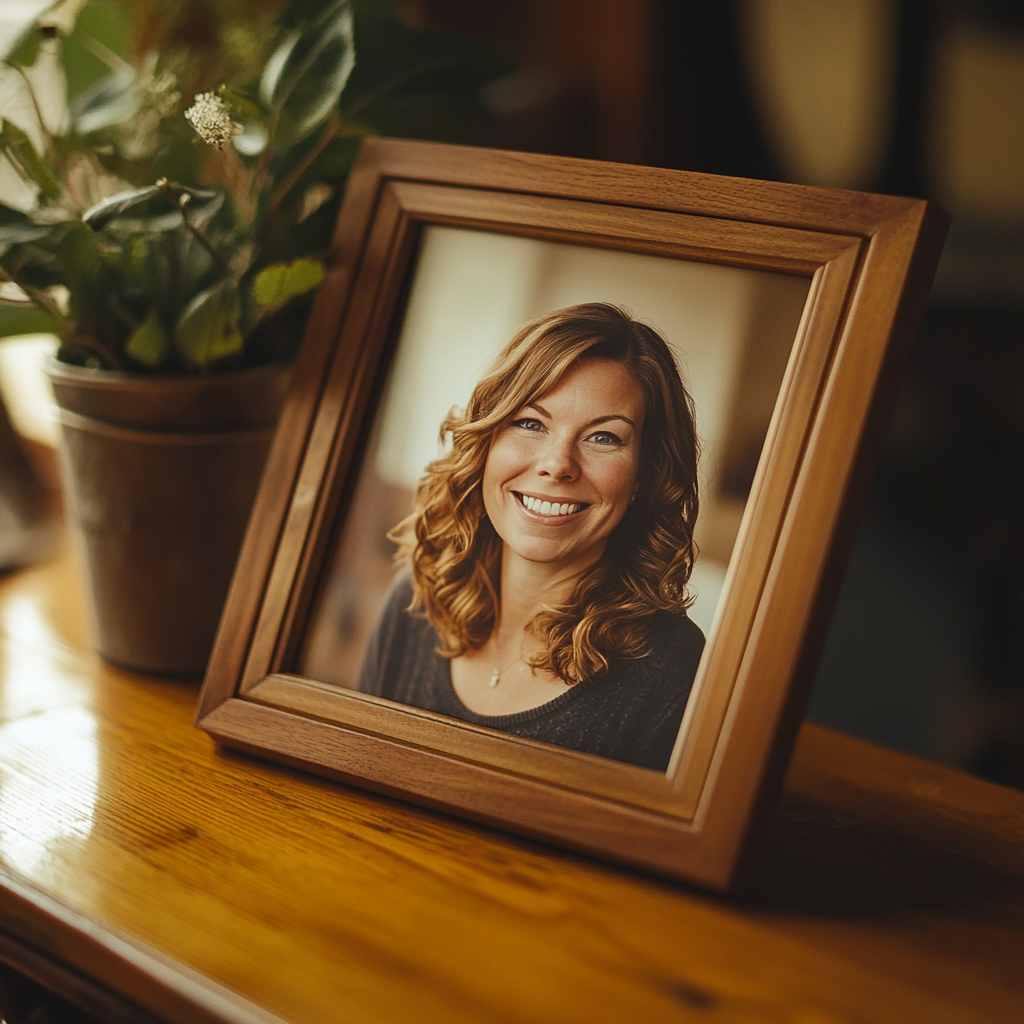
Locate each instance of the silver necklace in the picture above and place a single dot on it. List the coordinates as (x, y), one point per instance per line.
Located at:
(496, 674)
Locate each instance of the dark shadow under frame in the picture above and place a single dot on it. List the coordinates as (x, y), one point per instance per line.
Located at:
(870, 260)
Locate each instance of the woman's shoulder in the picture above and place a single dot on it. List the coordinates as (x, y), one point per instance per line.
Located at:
(674, 644)
(399, 639)
(675, 633)
(400, 593)
(640, 701)
(396, 619)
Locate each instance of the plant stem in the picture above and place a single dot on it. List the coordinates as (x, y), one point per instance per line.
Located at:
(262, 172)
(277, 196)
(88, 343)
(201, 238)
(67, 328)
(51, 148)
(39, 298)
(117, 308)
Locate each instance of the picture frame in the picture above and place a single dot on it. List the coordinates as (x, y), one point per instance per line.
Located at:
(866, 262)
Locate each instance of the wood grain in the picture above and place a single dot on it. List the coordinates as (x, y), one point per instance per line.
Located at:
(211, 886)
(655, 188)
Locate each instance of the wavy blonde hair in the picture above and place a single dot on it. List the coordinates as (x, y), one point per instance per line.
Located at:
(455, 553)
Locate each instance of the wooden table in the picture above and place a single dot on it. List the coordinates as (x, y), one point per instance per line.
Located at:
(149, 875)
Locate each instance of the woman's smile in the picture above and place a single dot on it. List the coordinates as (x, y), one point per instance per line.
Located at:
(550, 508)
(561, 473)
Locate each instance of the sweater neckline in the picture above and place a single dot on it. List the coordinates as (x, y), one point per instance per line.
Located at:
(504, 721)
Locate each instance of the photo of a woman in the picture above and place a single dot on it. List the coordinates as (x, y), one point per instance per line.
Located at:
(548, 553)
(549, 543)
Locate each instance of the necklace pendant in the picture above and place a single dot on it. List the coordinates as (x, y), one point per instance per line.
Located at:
(493, 681)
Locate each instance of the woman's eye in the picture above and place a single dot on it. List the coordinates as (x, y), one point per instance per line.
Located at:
(527, 423)
(606, 437)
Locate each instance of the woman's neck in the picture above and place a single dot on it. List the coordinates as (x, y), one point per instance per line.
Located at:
(497, 679)
(527, 587)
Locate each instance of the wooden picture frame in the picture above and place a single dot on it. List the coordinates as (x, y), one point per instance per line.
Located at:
(867, 261)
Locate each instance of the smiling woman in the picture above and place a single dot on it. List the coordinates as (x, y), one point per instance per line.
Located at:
(551, 545)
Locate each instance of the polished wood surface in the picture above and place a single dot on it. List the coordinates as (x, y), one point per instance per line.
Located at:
(138, 861)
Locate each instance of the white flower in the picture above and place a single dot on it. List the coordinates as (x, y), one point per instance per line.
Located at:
(211, 118)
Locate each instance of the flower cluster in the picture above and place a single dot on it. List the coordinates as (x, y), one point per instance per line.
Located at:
(211, 118)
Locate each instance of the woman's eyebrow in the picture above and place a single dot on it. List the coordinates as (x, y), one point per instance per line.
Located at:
(593, 423)
(613, 416)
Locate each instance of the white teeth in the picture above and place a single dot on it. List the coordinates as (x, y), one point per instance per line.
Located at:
(547, 508)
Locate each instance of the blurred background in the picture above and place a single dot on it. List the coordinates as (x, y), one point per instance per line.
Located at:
(909, 97)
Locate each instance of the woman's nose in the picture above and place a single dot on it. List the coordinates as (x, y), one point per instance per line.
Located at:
(558, 459)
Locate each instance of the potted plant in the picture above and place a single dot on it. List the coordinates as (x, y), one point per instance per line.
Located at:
(170, 223)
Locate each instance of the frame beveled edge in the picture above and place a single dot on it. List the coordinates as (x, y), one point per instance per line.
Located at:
(829, 493)
(776, 248)
(567, 769)
(770, 253)
(903, 236)
(482, 793)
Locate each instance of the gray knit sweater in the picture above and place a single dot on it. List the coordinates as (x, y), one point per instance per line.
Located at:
(630, 713)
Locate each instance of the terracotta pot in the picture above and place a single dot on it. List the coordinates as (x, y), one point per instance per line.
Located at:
(160, 475)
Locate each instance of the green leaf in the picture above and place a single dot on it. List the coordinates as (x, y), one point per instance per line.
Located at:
(279, 283)
(208, 328)
(242, 105)
(147, 268)
(113, 100)
(90, 280)
(156, 208)
(305, 76)
(12, 215)
(149, 343)
(16, 228)
(23, 46)
(103, 22)
(17, 318)
(29, 252)
(421, 83)
(80, 253)
(103, 212)
(18, 148)
(249, 113)
(26, 50)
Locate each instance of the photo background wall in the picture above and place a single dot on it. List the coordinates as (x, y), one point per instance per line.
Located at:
(731, 330)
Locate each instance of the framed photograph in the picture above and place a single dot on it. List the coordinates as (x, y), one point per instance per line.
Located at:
(559, 504)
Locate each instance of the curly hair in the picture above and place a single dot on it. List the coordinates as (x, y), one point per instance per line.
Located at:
(455, 553)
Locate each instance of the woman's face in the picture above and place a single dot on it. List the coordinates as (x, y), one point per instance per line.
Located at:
(561, 473)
